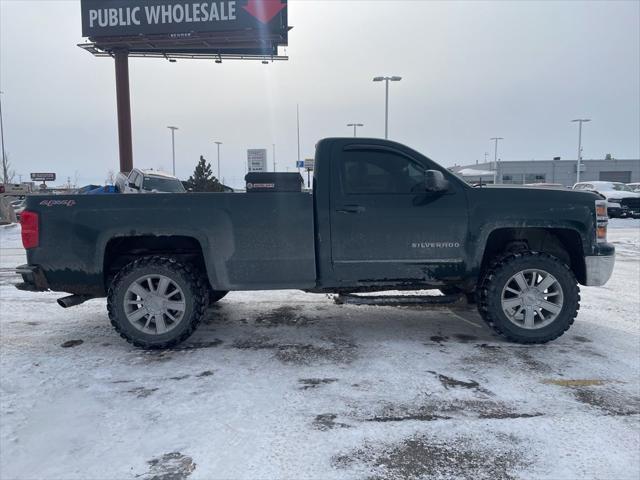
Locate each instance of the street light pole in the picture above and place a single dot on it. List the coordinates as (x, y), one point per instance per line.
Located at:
(173, 147)
(274, 156)
(386, 108)
(5, 173)
(495, 159)
(218, 144)
(386, 100)
(298, 127)
(580, 122)
(355, 126)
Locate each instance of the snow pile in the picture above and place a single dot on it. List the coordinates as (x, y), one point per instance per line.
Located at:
(290, 385)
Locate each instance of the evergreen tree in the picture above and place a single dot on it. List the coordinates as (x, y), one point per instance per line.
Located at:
(202, 179)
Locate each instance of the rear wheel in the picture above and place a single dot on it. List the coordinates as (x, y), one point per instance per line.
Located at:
(156, 302)
(529, 297)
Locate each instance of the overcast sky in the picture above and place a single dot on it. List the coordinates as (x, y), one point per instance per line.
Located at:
(471, 71)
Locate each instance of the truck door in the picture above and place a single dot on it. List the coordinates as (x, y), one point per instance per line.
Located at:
(385, 227)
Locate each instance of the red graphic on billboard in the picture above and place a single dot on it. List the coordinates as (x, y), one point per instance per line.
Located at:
(264, 10)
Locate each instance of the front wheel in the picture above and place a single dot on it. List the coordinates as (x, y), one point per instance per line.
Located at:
(157, 302)
(529, 297)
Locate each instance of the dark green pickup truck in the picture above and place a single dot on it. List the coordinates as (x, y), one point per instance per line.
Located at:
(381, 216)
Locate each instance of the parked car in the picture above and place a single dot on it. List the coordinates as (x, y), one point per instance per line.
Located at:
(622, 201)
(148, 181)
(381, 217)
(18, 207)
(635, 187)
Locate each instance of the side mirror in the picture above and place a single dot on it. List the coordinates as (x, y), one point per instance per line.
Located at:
(434, 181)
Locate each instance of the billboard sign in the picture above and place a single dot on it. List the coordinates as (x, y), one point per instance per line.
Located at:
(257, 160)
(43, 177)
(122, 18)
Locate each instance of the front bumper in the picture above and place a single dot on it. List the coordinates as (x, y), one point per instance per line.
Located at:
(33, 278)
(599, 269)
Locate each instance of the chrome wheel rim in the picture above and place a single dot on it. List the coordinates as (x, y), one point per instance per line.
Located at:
(532, 299)
(154, 304)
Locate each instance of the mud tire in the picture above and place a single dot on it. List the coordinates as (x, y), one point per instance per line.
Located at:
(190, 280)
(489, 294)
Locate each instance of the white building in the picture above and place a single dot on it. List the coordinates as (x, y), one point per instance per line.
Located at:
(557, 171)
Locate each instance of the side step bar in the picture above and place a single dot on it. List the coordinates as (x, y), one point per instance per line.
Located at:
(397, 300)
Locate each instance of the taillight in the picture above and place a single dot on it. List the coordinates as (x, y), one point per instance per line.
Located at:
(602, 219)
(30, 229)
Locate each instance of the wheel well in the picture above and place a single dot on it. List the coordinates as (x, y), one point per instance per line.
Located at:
(122, 250)
(562, 243)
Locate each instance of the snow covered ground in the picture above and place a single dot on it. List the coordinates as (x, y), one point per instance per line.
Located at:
(290, 385)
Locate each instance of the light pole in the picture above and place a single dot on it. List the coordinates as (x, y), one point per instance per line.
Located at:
(173, 147)
(5, 173)
(298, 126)
(495, 159)
(274, 156)
(355, 126)
(218, 144)
(580, 122)
(386, 100)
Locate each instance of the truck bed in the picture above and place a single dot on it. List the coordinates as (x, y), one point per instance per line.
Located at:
(249, 241)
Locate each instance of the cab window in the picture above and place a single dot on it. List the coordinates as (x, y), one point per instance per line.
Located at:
(380, 172)
(132, 178)
(138, 181)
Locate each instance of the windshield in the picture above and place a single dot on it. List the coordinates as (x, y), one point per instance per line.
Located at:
(621, 187)
(171, 185)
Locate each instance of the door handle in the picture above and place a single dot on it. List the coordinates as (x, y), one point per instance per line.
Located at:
(351, 209)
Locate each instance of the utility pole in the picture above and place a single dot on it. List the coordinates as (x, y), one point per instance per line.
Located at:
(173, 147)
(355, 126)
(579, 165)
(5, 167)
(386, 100)
(495, 159)
(218, 144)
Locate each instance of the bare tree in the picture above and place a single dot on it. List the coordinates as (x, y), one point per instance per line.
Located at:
(111, 177)
(7, 174)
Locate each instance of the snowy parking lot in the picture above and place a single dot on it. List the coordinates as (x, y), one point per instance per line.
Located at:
(291, 385)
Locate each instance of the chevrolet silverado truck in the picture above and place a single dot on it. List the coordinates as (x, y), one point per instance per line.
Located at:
(380, 216)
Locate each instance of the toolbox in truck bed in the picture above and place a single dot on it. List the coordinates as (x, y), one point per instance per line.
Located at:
(274, 182)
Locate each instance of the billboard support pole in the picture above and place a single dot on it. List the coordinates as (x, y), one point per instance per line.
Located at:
(123, 103)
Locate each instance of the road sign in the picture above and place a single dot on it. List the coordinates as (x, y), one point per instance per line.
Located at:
(309, 163)
(299, 163)
(257, 160)
(43, 177)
